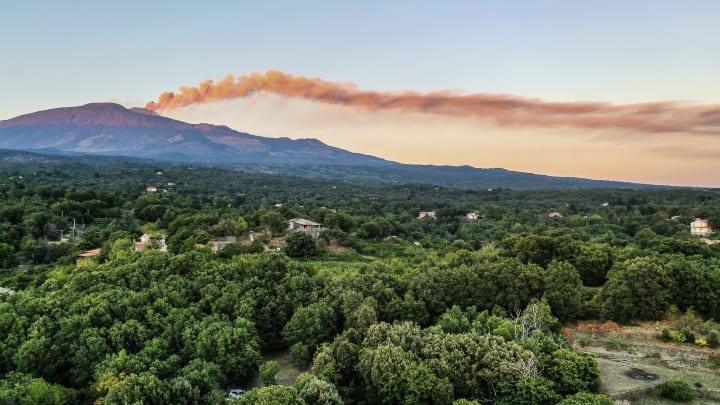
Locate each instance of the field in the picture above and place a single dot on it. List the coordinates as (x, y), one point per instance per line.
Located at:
(644, 361)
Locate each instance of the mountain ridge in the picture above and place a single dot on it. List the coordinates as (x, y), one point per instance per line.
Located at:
(108, 129)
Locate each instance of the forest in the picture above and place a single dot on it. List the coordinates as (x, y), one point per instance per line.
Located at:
(383, 307)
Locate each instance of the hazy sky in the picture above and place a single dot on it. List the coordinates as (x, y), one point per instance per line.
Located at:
(618, 52)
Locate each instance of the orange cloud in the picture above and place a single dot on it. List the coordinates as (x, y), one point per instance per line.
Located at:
(506, 110)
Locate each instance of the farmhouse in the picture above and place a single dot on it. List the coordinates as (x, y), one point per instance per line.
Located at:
(700, 227)
(427, 214)
(305, 225)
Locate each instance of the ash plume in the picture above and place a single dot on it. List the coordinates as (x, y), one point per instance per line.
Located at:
(506, 110)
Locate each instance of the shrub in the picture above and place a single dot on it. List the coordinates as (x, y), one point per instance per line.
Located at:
(677, 336)
(675, 390)
(615, 341)
(701, 342)
(654, 355)
(666, 335)
(713, 338)
(268, 372)
(687, 322)
(609, 327)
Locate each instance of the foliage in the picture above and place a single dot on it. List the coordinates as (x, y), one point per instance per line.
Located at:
(300, 245)
(586, 398)
(390, 310)
(675, 390)
(268, 371)
(616, 341)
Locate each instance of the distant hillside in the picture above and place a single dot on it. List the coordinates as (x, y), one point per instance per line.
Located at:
(111, 130)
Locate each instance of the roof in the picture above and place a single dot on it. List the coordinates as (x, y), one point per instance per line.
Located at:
(303, 221)
(90, 253)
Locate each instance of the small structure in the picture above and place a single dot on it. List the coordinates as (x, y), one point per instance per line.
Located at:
(606, 204)
(148, 241)
(8, 291)
(151, 189)
(471, 216)
(218, 244)
(555, 214)
(427, 214)
(700, 227)
(88, 254)
(305, 225)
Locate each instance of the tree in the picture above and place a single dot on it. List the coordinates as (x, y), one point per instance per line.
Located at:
(7, 256)
(271, 395)
(232, 346)
(564, 290)
(145, 388)
(310, 326)
(574, 372)
(268, 371)
(320, 392)
(274, 221)
(586, 398)
(637, 288)
(300, 245)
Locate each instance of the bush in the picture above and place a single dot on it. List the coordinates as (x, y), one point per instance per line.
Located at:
(586, 398)
(701, 342)
(677, 336)
(615, 341)
(300, 245)
(675, 390)
(268, 372)
(687, 322)
(713, 338)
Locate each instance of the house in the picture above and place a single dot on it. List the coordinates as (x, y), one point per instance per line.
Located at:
(700, 227)
(151, 189)
(471, 216)
(218, 244)
(555, 214)
(88, 254)
(427, 214)
(606, 204)
(148, 241)
(305, 225)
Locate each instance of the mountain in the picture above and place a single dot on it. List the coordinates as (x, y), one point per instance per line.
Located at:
(111, 129)
(106, 129)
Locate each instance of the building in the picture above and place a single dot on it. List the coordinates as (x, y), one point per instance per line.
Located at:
(427, 214)
(471, 216)
(88, 254)
(305, 225)
(8, 291)
(700, 227)
(218, 244)
(555, 214)
(151, 189)
(148, 241)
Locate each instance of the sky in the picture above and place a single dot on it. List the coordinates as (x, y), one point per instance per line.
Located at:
(647, 71)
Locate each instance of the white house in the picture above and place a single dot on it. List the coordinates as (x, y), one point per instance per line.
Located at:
(700, 227)
(427, 214)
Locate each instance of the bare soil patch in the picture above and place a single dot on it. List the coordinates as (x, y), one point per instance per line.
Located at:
(631, 374)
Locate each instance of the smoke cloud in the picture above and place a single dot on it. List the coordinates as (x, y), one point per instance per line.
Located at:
(655, 117)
